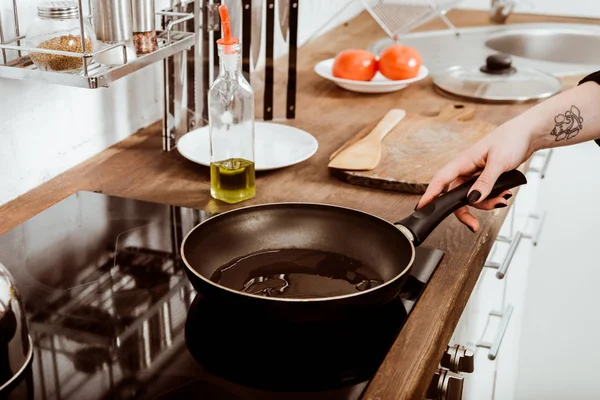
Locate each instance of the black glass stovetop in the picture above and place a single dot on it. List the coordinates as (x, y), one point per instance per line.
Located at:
(112, 315)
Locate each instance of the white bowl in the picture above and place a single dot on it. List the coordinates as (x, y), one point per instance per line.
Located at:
(379, 83)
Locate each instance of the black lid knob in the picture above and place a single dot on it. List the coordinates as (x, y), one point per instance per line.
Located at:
(498, 64)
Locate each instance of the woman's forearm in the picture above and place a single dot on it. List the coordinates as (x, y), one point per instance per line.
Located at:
(567, 118)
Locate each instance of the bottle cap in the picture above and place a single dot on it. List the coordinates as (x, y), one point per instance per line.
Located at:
(226, 40)
(229, 56)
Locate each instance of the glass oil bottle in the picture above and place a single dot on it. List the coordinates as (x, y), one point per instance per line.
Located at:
(231, 126)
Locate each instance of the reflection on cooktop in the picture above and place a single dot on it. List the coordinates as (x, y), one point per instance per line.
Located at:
(107, 302)
(269, 354)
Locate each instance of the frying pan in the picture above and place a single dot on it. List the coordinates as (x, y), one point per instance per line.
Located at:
(387, 248)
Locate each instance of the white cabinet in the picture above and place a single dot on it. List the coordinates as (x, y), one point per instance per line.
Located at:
(529, 219)
(514, 296)
(560, 356)
(492, 321)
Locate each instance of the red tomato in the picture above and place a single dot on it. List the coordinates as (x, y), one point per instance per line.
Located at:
(357, 65)
(400, 62)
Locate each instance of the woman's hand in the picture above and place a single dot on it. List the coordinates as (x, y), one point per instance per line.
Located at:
(502, 150)
(570, 117)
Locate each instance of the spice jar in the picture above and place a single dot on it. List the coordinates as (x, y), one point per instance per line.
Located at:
(144, 29)
(57, 28)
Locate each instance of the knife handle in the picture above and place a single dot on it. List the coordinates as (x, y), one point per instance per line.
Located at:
(246, 37)
(292, 59)
(268, 96)
(216, 36)
(206, 78)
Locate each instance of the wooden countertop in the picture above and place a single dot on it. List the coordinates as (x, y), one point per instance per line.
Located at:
(136, 168)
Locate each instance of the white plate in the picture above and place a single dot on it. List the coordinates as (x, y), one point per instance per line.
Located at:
(276, 146)
(379, 83)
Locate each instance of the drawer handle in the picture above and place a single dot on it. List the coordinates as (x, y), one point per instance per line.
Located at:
(541, 218)
(494, 347)
(542, 171)
(502, 267)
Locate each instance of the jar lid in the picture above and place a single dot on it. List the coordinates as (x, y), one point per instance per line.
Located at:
(58, 9)
(498, 81)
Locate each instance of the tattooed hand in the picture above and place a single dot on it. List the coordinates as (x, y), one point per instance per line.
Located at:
(542, 126)
(502, 150)
(567, 125)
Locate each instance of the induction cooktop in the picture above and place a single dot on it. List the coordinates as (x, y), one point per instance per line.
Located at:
(113, 316)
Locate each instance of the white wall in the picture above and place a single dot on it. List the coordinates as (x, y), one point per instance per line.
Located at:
(46, 129)
(578, 8)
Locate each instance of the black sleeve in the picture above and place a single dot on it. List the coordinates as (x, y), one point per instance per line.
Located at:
(595, 77)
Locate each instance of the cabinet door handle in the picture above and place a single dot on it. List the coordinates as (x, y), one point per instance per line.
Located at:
(495, 346)
(502, 267)
(541, 218)
(542, 170)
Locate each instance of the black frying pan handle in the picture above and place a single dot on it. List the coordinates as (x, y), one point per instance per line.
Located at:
(421, 223)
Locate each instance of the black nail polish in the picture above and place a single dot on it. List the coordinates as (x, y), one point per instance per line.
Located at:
(473, 196)
(500, 205)
(507, 196)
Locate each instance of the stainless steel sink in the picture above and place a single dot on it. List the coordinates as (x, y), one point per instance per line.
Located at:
(561, 49)
(562, 46)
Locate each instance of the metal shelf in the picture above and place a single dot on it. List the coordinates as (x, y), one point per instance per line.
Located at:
(94, 74)
(98, 75)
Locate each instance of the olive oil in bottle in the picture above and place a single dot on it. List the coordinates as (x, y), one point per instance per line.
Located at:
(232, 180)
(231, 124)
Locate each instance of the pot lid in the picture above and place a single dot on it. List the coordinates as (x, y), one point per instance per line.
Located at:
(498, 81)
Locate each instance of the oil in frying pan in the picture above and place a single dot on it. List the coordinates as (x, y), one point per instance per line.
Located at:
(297, 273)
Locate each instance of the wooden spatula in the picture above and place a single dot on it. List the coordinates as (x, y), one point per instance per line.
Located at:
(365, 154)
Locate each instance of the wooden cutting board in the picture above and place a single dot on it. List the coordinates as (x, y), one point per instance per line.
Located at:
(417, 148)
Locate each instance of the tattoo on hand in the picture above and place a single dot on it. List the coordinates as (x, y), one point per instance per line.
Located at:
(568, 125)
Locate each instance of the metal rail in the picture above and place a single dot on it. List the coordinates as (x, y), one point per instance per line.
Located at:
(94, 75)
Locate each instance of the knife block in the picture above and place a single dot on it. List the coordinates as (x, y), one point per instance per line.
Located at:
(250, 13)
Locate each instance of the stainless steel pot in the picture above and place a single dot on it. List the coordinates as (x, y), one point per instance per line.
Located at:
(16, 346)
